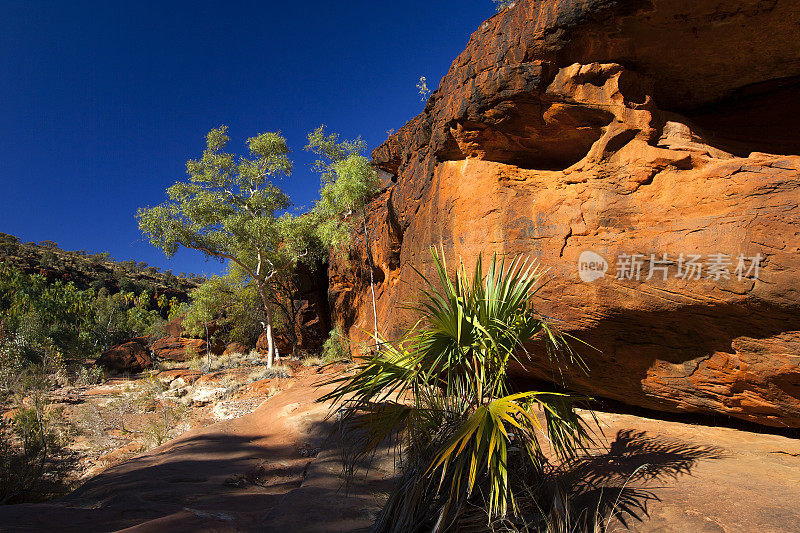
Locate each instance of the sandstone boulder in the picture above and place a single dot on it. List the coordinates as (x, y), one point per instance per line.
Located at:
(174, 328)
(184, 375)
(178, 349)
(132, 356)
(235, 347)
(282, 343)
(588, 136)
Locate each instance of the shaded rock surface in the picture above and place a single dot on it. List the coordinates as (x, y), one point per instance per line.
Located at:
(654, 131)
(178, 348)
(174, 328)
(132, 356)
(235, 347)
(312, 322)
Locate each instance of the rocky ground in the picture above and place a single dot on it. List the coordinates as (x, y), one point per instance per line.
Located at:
(275, 469)
(105, 424)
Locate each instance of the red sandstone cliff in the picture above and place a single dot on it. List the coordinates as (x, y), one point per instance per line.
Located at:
(624, 128)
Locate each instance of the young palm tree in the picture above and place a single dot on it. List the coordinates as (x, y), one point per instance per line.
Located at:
(442, 396)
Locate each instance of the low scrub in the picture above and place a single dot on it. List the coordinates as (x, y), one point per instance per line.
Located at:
(265, 372)
(31, 445)
(143, 411)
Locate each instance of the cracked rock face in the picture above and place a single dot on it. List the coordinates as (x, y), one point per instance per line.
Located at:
(639, 150)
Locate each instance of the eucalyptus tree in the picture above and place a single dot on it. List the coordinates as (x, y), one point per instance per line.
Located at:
(349, 182)
(230, 208)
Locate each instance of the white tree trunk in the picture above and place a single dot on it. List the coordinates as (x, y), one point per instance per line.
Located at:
(271, 350)
(270, 344)
(208, 347)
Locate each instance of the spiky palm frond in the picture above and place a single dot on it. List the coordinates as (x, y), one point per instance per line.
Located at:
(442, 396)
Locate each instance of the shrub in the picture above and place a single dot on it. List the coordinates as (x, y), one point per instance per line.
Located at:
(29, 443)
(233, 305)
(8, 243)
(213, 363)
(337, 346)
(115, 319)
(160, 427)
(467, 440)
(50, 320)
(422, 88)
(312, 361)
(161, 422)
(11, 360)
(49, 259)
(86, 376)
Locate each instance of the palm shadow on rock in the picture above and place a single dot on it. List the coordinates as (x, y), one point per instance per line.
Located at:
(593, 491)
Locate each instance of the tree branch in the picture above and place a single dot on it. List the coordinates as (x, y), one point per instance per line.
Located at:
(227, 256)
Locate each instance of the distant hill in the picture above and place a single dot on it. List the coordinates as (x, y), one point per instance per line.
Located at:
(93, 270)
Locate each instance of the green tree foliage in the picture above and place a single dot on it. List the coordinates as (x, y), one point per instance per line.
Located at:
(49, 259)
(122, 315)
(47, 322)
(9, 244)
(349, 182)
(466, 437)
(233, 304)
(231, 209)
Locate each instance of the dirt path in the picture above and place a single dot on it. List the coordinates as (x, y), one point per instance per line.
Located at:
(268, 467)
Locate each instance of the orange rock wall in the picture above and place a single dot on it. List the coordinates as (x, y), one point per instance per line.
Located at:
(567, 127)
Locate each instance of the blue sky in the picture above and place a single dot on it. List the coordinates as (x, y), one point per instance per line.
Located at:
(102, 103)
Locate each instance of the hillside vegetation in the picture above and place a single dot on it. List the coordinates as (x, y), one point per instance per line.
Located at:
(93, 270)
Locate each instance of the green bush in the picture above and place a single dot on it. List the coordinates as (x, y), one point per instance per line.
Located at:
(50, 323)
(233, 305)
(50, 320)
(29, 443)
(116, 319)
(337, 346)
(86, 376)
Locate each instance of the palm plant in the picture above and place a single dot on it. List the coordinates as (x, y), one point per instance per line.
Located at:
(443, 397)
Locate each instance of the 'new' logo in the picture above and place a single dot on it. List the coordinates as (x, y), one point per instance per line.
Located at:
(591, 266)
